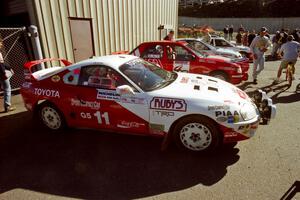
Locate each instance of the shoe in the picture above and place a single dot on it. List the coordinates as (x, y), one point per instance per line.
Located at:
(255, 81)
(10, 108)
(276, 81)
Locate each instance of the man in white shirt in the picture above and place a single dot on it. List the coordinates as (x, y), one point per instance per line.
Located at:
(258, 47)
(290, 51)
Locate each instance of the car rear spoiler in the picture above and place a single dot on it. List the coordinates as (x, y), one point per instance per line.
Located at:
(28, 67)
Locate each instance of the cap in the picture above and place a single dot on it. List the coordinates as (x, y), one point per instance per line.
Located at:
(290, 38)
(263, 29)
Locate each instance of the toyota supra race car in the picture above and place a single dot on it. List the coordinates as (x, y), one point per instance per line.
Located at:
(126, 94)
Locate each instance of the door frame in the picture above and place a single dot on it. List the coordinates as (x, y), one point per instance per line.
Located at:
(92, 31)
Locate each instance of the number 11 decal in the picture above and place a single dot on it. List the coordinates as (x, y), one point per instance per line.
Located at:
(102, 116)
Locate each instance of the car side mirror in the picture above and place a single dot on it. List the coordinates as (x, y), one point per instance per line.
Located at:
(125, 90)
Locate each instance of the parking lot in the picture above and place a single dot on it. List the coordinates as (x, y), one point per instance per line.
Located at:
(37, 164)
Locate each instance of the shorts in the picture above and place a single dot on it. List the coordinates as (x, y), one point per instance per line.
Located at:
(285, 63)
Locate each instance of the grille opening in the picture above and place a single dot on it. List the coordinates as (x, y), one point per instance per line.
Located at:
(213, 89)
(213, 80)
(198, 77)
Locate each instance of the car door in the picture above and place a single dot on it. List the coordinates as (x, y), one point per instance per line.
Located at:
(99, 106)
(180, 58)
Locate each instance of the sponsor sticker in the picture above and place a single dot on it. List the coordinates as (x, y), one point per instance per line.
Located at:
(126, 124)
(55, 78)
(107, 94)
(46, 92)
(218, 107)
(161, 103)
(87, 104)
(163, 113)
(222, 119)
(232, 117)
(158, 127)
(181, 66)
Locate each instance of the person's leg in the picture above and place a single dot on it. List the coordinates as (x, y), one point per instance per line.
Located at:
(254, 74)
(7, 93)
(260, 64)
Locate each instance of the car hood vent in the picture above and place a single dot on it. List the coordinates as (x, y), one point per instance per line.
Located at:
(213, 89)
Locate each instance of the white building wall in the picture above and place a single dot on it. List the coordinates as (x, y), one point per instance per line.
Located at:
(117, 24)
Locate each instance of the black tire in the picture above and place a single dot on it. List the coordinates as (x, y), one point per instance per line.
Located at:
(220, 75)
(244, 54)
(206, 137)
(51, 117)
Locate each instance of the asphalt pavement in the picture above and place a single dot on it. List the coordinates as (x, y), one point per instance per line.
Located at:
(83, 164)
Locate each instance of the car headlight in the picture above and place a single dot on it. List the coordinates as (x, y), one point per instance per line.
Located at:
(249, 111)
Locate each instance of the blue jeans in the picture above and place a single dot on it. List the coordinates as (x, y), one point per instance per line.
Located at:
(7, 92)
(258, 65)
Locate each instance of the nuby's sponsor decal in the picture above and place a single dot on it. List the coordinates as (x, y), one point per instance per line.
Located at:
(161, 103)
(88, 104)
(126, 124)
(107, 94)
(46, 92)
(55, 78)
(218, 107)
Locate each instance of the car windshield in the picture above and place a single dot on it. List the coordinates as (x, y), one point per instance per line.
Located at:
(146, 75)
(195, 51)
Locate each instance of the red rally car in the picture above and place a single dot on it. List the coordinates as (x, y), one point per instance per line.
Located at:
(183, 57)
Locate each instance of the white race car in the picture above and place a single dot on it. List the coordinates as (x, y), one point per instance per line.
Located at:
(123, 93)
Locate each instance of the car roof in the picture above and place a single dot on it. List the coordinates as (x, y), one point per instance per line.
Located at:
(164, 42)
(113, 61)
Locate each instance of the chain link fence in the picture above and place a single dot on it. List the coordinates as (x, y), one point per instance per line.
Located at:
(15, 52)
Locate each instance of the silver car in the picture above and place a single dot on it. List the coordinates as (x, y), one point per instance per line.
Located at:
(209, 49)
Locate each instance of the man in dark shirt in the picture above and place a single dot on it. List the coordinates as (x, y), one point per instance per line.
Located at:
(251, 36)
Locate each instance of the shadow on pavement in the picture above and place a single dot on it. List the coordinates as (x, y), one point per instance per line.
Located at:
(91, 165)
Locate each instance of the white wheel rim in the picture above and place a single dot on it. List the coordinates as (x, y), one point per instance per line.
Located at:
(195, 136)
(51, 118)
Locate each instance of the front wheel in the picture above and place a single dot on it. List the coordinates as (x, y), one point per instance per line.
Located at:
(51, 117)
(197, 134)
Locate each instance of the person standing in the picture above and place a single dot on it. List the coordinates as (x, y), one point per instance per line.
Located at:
(245, 38)
(230, 31)
(290, 51)
(170, 36)
(226, 31)
(206, 37)
(5, 73)
(276, 45)
(239, 38)
(251, 36)
(258, 47)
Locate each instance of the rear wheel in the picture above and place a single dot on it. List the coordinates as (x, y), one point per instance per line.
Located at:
(196, 134)
(51, 117)
(220, 75)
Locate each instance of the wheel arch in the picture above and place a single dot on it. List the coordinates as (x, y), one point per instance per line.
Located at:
(228, 79)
